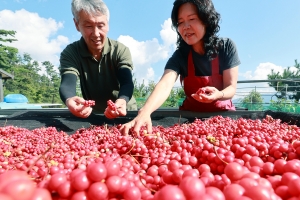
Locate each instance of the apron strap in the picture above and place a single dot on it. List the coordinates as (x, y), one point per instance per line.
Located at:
(190, 67)
(215, 67)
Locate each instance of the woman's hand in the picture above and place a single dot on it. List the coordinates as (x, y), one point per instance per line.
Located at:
(120, 109)
(207, 94)
(77, 107)
(142, 119)
(154, 101)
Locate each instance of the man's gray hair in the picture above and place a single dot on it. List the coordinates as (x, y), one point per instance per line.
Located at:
(89, 6)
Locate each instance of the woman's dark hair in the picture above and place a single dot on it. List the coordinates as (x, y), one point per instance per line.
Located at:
(209, 17)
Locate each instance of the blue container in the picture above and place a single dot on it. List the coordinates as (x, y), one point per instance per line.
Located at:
(15, 98)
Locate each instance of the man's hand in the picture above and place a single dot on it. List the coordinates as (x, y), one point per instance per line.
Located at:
(78, 107)
(207, 94)
(117, 109)
(142, 119)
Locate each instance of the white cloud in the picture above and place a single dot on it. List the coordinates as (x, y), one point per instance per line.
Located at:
(260, 73)
(262, 70)
(36, 35)
(146, 53)
(168, 35)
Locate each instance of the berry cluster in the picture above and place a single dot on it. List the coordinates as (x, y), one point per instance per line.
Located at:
(214, 159)
(88, 103)
(200, 91)
(111, 105)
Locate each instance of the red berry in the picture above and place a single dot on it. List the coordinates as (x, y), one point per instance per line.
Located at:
(88, 103)
(111, 105)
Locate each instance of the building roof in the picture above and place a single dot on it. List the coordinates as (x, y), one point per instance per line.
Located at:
(6, 75)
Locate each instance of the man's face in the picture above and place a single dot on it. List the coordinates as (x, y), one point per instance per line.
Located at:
(93, 29)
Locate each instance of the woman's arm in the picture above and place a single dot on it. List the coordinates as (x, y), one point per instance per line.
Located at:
(230, 77)
(155, 100)
(161, 91)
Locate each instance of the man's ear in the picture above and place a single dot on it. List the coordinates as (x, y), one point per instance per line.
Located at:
(76, 24)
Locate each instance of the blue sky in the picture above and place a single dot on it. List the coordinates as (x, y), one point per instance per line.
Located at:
(266, 32)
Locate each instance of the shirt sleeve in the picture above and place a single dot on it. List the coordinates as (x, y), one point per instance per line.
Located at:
(67, 87)
(68, 61)
(176, 62)
(230, 57)
(126, 84)
(124, 59)
(124, 73)
(68, 72)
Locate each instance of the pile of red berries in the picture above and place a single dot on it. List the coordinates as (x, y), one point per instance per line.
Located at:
(88, 103)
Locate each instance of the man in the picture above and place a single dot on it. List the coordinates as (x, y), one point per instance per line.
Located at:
(103, 66)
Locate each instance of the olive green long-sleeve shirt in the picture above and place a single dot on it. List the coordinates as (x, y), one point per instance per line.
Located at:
(98, 79)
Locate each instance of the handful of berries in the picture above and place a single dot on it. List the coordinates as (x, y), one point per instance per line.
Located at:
(201, 91)
(111, 105)
(89, 103)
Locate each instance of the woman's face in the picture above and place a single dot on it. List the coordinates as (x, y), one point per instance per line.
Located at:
(190, 27)
(93, 29)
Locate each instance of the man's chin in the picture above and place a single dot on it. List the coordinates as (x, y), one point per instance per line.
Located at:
(97, 47)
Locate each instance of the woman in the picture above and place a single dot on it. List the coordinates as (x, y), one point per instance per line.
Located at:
(207, 65)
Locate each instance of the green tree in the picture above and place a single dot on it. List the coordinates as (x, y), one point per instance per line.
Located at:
(176, 96)
(253, 101)
(8, 55)
(181, 93)
(283, 105)
(142, 91)
(53, 81)
(29, 80)
(286, 89)
(24, 81)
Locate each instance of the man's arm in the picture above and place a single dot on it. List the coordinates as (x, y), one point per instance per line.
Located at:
(126, 84)
(67, 92)
(126, 90)
(124, 76)
(67, 87)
